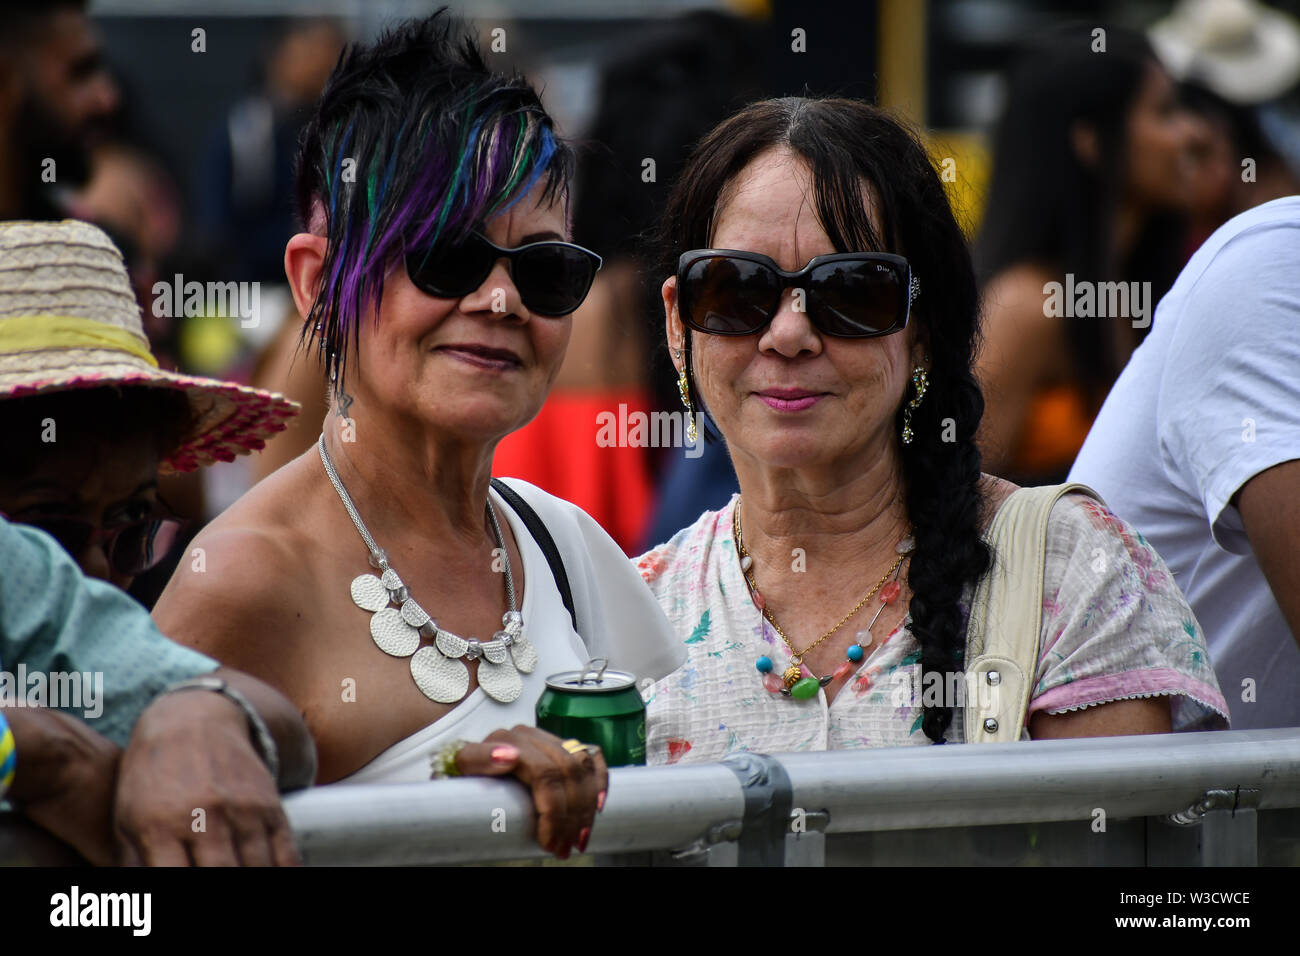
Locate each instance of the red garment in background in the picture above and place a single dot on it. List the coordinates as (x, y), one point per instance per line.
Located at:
(557, 452)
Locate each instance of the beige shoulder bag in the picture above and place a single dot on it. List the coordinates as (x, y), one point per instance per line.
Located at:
(1002, 639)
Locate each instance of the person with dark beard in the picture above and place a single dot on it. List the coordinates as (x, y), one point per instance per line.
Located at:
(55, 96)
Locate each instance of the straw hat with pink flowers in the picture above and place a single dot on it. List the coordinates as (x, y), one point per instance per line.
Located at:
(69, 320)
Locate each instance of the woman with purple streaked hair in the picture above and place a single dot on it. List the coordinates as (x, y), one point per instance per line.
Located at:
(409, 605)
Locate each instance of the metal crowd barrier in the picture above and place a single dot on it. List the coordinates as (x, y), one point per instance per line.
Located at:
(1220, 798)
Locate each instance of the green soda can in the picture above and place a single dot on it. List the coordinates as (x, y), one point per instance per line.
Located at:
(596, 706)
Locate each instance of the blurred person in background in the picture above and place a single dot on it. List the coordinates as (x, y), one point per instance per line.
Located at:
(1198, 442)
(285, 367)
(243, 215)
(1218, 143)
(1222, 187)
(67, 108)
(245, 186)
(659, 93)
(131, 195)
(1092, 164)
(56, 97)
(247, 191)
(1238, 66)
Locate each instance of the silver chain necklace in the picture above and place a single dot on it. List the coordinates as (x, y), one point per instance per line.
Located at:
(399, 625)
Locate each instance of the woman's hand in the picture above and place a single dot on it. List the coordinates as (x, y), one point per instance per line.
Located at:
(568, 789)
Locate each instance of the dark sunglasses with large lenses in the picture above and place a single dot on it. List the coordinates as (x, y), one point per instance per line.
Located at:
(131, 548)
(553, 277)
(846, 294)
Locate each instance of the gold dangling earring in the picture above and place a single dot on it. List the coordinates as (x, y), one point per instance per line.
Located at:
(920, 382)
(692, 434)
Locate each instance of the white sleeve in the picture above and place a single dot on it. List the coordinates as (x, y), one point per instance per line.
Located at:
(618, 615)
(1229, 397)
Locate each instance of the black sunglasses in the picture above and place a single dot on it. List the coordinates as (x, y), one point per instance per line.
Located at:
(552, 277)
(846, 294)
(131, 548)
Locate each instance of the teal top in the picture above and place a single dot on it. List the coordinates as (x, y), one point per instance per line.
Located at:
(79, 645)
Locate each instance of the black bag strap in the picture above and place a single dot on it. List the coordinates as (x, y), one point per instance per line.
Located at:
(537, 528)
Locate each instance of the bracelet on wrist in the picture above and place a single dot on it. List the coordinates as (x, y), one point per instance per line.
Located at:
(259, 733)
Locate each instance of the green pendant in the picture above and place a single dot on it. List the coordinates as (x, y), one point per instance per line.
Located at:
(805, 688)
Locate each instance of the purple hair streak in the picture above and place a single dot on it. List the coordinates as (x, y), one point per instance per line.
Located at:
(414, 145)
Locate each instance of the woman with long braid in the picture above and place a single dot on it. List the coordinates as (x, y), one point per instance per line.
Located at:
(821, 304)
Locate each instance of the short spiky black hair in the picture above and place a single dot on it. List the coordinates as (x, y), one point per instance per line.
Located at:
(413, 144)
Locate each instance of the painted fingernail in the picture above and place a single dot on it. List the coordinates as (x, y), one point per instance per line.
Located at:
(564, 854)
(505, 754)
(600, 801)
(582, 839)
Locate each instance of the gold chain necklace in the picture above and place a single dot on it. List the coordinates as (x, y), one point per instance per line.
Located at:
(793, 681)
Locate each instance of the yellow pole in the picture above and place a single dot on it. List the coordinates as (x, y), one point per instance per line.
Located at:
(901, 56)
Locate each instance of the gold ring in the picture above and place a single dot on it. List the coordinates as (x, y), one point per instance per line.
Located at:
(444, 761)
(574, 746)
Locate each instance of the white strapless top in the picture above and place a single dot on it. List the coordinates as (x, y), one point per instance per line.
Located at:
(619, 617)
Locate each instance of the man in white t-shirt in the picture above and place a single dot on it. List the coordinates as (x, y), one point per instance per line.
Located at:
(1198, 447)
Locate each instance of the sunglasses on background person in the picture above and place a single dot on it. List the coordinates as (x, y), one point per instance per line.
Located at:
(846, 294)
(131, 548)
(552, 277)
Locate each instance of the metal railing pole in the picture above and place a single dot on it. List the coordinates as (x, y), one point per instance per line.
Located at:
(695, 811)
(481, 819)
(1039, 781)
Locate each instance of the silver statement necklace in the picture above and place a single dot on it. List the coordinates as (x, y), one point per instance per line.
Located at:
(399, 625)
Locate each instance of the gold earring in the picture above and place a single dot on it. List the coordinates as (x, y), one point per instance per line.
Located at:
(920, 382)
(692, 434)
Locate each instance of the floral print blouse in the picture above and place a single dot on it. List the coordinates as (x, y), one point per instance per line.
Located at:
(1115, 627)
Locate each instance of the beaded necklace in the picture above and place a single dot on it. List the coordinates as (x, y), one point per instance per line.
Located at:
(793, 683)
